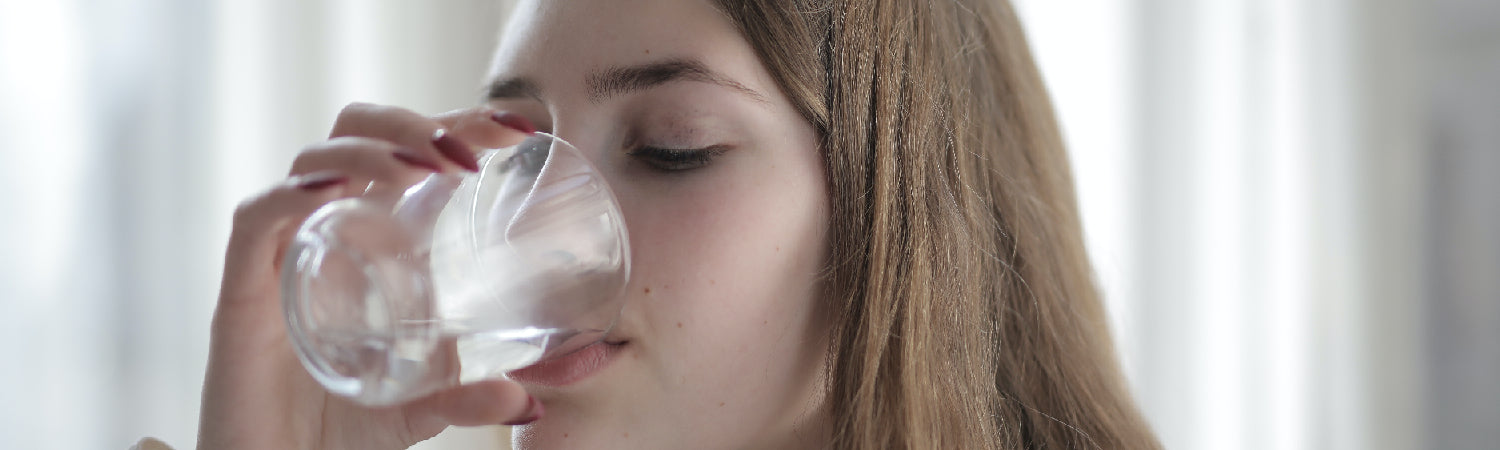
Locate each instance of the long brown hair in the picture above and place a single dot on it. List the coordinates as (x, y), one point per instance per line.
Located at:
(966, 312)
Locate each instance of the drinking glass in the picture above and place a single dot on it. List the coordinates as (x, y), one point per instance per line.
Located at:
(463, 278)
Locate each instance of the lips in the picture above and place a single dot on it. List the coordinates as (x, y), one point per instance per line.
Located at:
(571, 368)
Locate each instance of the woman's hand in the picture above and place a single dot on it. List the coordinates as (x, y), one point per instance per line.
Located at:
(256, 393)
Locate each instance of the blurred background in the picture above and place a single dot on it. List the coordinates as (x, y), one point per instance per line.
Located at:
(1292, 205)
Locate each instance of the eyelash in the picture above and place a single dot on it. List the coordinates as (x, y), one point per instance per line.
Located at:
(675, 160)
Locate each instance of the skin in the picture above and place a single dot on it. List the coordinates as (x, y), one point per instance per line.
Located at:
(726, 342)
(724, 335)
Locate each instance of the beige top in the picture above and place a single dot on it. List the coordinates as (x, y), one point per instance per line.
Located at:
(150, 444)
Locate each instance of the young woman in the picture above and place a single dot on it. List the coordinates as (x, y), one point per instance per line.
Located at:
(853, 227)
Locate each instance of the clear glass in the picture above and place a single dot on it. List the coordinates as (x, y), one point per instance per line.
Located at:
(465, 277)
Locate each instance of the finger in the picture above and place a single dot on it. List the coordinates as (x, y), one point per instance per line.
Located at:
(387, 168)
(485, 127)
(262, 222)
(494, 402)
(405, 128)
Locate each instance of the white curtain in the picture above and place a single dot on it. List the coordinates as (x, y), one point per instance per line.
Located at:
(129, 130)
(1253, 176)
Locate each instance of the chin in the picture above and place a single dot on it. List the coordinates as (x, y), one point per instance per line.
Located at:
(579, 392)
(562, 433)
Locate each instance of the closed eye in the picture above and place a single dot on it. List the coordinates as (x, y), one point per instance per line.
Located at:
(529, 157)
(673, 160)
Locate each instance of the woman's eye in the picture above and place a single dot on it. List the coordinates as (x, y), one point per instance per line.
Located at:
(529, 156)
(672, 160)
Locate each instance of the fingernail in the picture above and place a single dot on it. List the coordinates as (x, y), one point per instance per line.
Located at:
(533, 412)
(454, 150)
(319, 181)
(413, 159)
(514, 121)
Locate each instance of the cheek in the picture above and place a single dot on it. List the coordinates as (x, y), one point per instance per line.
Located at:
(725, 245)
(726, 275)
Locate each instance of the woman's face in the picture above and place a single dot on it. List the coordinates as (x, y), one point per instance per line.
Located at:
(722, 188)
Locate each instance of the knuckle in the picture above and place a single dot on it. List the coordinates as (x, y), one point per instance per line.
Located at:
(355, 109)
(352, 115)
(308, 154)
(312, 149)
(316, 149)
(473, 113)
(249, 209)
(322, 153)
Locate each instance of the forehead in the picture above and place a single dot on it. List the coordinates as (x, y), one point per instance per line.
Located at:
(558, 42)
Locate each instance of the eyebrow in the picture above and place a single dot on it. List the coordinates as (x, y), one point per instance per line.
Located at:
(513, 88)
(623, 80)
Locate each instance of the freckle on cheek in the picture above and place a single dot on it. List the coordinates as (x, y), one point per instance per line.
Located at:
(679, 324)
(721, 404)
(648, 289)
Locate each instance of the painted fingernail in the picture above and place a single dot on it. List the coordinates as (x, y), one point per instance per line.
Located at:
(454, 150)
(320, 181)
(411, 158)
(514, 121)
(533, 412)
